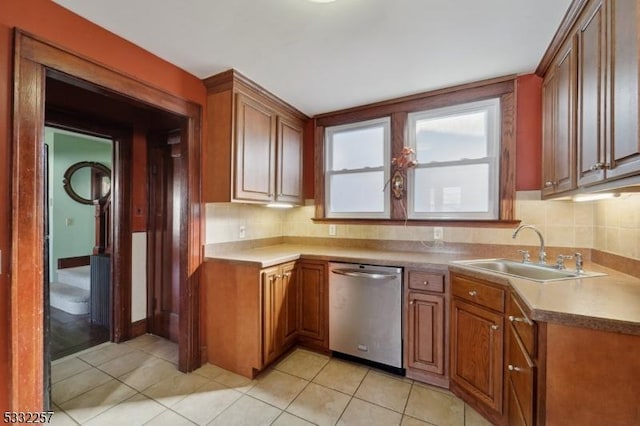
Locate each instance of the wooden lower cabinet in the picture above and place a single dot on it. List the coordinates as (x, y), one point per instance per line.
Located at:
(477, 345)
(313, 305)
(280, 310)
(254, 315)
(426, 332)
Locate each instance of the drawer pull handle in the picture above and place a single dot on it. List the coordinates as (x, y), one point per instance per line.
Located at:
(425, 283)
(514, 368)
(495, 327)
(473, 293)
(519, 319)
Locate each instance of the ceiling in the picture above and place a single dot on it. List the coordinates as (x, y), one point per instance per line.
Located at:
(324, 57)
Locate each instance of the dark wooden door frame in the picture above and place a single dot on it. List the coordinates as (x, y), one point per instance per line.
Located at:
(33, 57)
(120, 327)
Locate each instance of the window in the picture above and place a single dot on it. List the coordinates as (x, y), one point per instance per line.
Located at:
(357, 164)
(458, 152)
(464, 143)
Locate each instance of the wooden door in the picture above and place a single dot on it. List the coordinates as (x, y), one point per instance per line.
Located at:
(289, 167)
(549, 91)
(313, 294)
(426, 333)
(624, 151)
(288, 322)
(477, 352)
(564, 130)
(163, 248)
(255, 149)
(271, 307)
(591, 106)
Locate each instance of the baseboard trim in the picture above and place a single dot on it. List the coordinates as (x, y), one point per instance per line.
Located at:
(138, 328)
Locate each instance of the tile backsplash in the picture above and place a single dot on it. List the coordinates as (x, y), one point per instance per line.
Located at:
(608, 225)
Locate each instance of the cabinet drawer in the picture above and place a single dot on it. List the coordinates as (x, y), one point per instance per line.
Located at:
(478, 292)
(522, 325)
(426, 281)
(521, 371)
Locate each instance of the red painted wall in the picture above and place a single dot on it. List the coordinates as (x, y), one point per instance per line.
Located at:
(54, 23)
(528, 132)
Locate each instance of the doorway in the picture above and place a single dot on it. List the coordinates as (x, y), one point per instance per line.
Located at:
(36, 63)
(78, 201)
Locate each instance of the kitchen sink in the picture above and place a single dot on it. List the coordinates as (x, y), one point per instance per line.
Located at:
(529, 271)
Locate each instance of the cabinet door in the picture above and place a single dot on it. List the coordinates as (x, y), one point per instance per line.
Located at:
(426, 333)
(549, 91)
(289, 175)
(288, 321)
(591, 80)
(255, 143)
(564, 130)
(271, 307)
(477, 352)
(312, 287)
(624, 152)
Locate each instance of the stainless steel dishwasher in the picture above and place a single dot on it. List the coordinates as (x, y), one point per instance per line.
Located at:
(365, 313)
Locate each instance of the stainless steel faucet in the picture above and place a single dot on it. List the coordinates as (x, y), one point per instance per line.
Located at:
(542, 255)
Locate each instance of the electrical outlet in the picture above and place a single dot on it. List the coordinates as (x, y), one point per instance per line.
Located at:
(242, 231)
(68, 221)
(333, 230)
(438, 233)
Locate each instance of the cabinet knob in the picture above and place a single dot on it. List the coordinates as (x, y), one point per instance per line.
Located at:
(411, 303)
(513, 368)
(425, 283)
(473, 293)
(548, 184)
(287, 274)
(600, 166)
(495, 327)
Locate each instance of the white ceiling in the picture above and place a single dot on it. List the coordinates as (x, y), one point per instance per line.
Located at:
(324, 57)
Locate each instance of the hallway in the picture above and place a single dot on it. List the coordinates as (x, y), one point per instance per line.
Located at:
(137, 383)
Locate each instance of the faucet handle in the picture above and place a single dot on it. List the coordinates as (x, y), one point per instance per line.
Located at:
(579, 262)
(526, 257)
(561, 259)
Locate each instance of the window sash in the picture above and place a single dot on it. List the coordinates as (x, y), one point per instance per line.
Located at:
(492, 107)
(385, 122)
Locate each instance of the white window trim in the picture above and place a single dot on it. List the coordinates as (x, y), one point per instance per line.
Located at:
(386, 167)
(492, 106)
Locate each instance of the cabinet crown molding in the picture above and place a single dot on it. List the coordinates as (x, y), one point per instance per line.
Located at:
(231, 78)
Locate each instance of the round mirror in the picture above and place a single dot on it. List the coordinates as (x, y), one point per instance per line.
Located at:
(87, 182)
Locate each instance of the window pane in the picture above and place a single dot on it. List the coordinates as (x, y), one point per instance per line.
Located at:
(451, 138)
(358, 148)
(452, 189)
(357, 192)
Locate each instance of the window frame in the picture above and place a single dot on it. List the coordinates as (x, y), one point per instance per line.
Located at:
(385, 168)
(492, 107)
(398, 109)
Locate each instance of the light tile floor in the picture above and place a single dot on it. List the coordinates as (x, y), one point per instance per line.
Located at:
(137, 382)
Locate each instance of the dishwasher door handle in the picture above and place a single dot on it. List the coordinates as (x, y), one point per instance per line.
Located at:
(363, 274)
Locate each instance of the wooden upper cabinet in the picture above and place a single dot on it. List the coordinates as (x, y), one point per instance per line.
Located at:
(592, 39)
(254, 150)
(559, 99)
(624, 148)
(289, 161)
(602, 44)
(254, 147)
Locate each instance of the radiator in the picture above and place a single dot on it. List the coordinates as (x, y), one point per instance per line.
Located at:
(100, 290)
